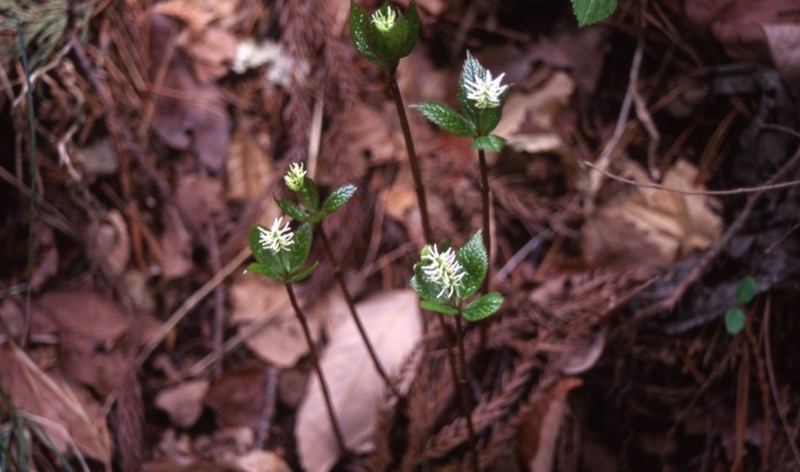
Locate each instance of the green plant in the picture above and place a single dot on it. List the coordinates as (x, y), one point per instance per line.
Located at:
(734, 315)
(312, 212)
(481, 101)
(588, 12)
(447, 280)
(281, 254)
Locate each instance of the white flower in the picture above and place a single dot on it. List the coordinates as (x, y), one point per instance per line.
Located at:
(294, 177)
(384, 23)
(276, 239)
(443, 269)
(486, 92)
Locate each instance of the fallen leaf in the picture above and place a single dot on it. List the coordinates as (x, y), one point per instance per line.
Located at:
(393, 324)
(645, 224)
(255, 461)
(784, 47)
(247, 166)
(189, 114)
(262, 304)
(67, 414)
(200, 197)
(183, 402)
(540, 428)
(238, 398)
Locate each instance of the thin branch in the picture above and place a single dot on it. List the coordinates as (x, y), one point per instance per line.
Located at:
(736, 191)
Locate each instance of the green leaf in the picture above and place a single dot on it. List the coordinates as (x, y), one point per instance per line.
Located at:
(592, 11)
(471, 71)
(263, 269)
(291, 209)
(303, 273)
(490, 143)
(475, 262)
(734, 320)
(359, 31)
(746, 290)
(482, 307)
(446, 118)
(297, 253)
(438, 307)
(338, 198)
(309, 195)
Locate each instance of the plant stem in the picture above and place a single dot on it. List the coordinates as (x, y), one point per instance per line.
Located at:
(487, 235)
(315, 361)
(463, 390)
(337, 271)
(419, 187)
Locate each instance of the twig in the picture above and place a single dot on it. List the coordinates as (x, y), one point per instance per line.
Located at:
(217, 335)
(736, 191)
(190, 303)
(604, 160)
(716, 248)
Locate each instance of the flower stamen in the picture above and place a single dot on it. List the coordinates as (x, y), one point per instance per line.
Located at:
(443, 269)
(276, 239)
(485, 91)
(384, 22)
(294, 177)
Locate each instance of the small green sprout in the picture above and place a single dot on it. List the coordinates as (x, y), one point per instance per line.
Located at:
(446, 280)
(734, 315)
(307, 194)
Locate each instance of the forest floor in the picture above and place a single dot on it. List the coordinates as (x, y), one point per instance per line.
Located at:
(644, 230)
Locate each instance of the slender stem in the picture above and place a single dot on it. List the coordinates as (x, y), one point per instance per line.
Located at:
(464, 389)
(487, 235)
(337, 272)
(315, 361)
(419, 187)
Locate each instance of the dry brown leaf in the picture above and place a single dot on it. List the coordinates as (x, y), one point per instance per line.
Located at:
(368, 133)
(200, 198)
(67, 414)
(238, 398)
(176, 244)
(538, 107)
(649, 225)
(212, 53)
(738, 24)
(255, 461)
(392, 321)
(784, 47)
(111, 243)
(183, 402)
(190, 114)
(247, 166)
(539, 430)
(264, 302)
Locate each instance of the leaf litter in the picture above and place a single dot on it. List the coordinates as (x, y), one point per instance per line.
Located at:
(163, 179)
